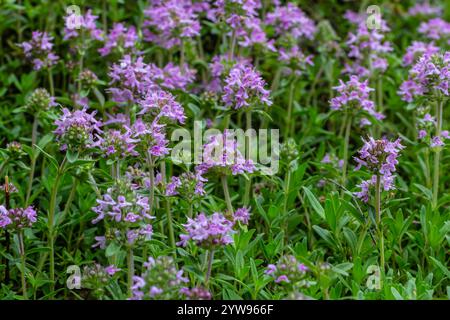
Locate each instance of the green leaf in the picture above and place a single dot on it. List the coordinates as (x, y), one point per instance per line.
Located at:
(427, 192)
(112, 249)
(72, 156)
(441, 266)
(314, 203)
(396, 294)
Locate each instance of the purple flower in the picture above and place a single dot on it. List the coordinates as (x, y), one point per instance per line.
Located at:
(172, 76)
(435, 29)
(125, 213)
(436, 142)
(76, 129)
(221, 153)
(159, 280)
(244, 88)
(119, 37)
(5, 220)
(208, 231)
(354, 95)
(367, 45)
(416, 50)
(168, 22)
(295, 60)
(249, 33)
(424, 9)
(112, 270)
(77, 24)
(39, 50)
(241, 214)
(116, 144)
(380, 158)
(188, 185)
(288, 271)
(197, 293)
(130, 80)
(17, 218)
(422, 134)
(291, 20)
(429, 76)
(152, 137)
(162, 104)
(101, 242)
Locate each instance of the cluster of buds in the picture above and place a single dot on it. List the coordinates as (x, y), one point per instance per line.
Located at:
(76, 129)
(289, 272)
(39, 100)
(96, 277)
(14, 150)
(160, 280)
(88, 78)
(188, 185)
(289, 151)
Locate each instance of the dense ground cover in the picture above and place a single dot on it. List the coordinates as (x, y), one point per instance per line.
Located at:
(351, 201)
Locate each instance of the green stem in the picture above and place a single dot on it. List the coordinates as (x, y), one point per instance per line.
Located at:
(226, 193)
(289, 112)
(170, 225)
(379, 224)
(248, 182)
(232, 46)
(168, 210)
(208, 270)
(286, 198)
(437, 156)
(50, 82)
(104, 16)
(190, 209)
(346, 143)
(51, 222)
(130, 271)
(22, 266)
(151, 168)
(33, 159)
(380, 94)
(182, 56)
(69, 201)
(428, 168)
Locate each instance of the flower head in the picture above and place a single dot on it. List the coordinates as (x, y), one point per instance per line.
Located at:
(76, 24)
(221, 154)
(39, 50)
(189, 185)
(160, 280)
(354, 95)
(435, 29)
(208, 231)
(76, 129)
(380, 158)
(429, 76)
(244, 88)
(119, 37)
(40, 100)
(288, 271)
(17, 218)
(168, 22)
(125, 213)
